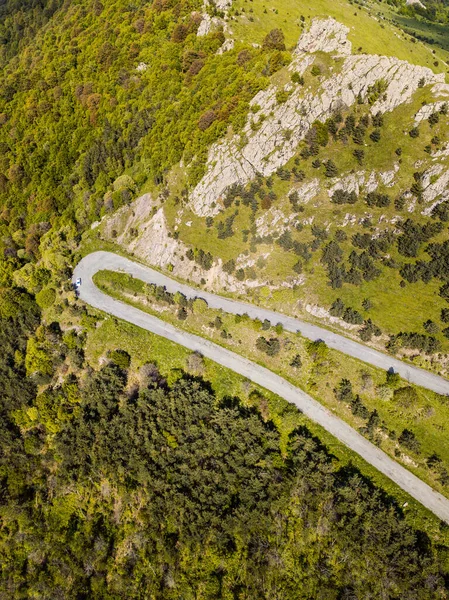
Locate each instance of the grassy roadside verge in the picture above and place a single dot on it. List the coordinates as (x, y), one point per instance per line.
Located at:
(171, 359)
(382, 409)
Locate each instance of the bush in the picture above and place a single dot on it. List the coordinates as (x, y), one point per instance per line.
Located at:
(376, 199)
(338, 308)
(121, 358)
(344, 197)
(431, 327)
(375, 135)
(271, 347)
(229, 267)
(297, 78)
(331, 169)
(274, 40)
(343, 391)
(445, 315)
(414, 133)
(359, 155)
(206, 119)
(46, 297)
(352, 316)
(408, 439)
(182, 314)
(406, 396)
(296, 362)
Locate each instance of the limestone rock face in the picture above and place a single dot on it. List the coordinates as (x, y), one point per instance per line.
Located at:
(436, 192)
(351, 183)
(425, 112)
(153, 243)
(270, 137)
(227, 45)
(208, 24)
(325, 35)
(223, 4)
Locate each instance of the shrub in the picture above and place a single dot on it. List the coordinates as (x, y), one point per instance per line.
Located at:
(182, 314)
(331, 169)
(296, 362)
(352, 316)
(405, 396)
(338, 308)
(229, 266)
(408, 439)
(376, 199)
(46, 297)
(343, 391)
(431, 327)
(274, 40)
(434, 119)
(206, 119)
(297, 78)
(445, 315)
(344, 197)
(359, 155)
(358, 409)
(375, 135)
(271, 347)
(120, 357)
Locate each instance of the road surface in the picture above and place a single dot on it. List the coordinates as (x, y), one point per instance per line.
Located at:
(88, 292)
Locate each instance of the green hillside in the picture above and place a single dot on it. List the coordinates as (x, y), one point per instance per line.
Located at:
(131, 468)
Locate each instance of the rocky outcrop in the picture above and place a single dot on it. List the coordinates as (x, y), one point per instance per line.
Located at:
(208, 24)
(428, 109)
(271, 137)
(223, 4)
(227, 45)
(435, 192)
(142, 229)
(325, 35)
(351, 183)
(308, 191)
(273, 222)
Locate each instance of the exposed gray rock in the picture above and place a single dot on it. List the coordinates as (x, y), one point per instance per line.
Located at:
(223, 4)
(227, 45)
(281, 127)
(325, 35)
(273, 221)
(425, 112)
(441, 89)
(307, 191)
(415, 3)
(439, 187)
(351, 183)
(387, 177)
(208, 24)
(436, 192)
(322, 313)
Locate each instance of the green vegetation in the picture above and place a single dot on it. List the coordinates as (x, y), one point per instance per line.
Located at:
(386, 245)
(378, 404)
(252, 20)
(115, 482)
(133, 468)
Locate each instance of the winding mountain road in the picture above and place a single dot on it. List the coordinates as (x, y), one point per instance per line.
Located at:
(88, 292)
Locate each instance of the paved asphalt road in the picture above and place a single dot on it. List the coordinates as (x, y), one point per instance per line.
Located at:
(419, 490)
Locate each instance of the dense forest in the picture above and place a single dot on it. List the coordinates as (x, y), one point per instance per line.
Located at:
(113, 489)
(99, 93)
